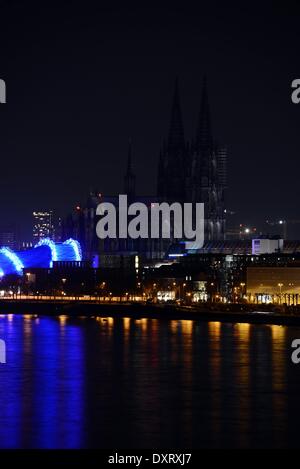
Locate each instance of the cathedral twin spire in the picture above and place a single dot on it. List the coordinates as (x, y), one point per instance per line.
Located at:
(182, 170)
(172, 161)
(190, 173)
(176, 131)
(176, 162)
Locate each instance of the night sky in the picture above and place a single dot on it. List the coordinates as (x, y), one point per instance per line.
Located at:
(82, 80)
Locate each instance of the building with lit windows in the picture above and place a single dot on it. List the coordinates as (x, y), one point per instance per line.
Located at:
(43, 225)
(277, 284)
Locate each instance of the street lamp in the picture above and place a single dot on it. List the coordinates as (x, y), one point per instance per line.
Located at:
(242, 285)
(280, 289)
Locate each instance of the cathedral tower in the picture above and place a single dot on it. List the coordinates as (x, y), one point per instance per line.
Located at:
(172, 168)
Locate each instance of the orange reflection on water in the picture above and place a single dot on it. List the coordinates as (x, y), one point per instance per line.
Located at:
(242, 375)
(243, 330)
(174, 326)
(278, 332)
(214, 328)
(186, 326)
(279, 378)
(63, 319)
(143, 323)
(27, 317)
(126, 330)
(215, 372)
(110, 322)
(126, 324)
(106, 323)
(278, 350)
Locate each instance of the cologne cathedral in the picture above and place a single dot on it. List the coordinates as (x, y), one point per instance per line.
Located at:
(195, 171)
(187, 172)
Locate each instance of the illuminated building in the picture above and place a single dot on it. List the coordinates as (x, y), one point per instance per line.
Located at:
(223, 266)
(43, 255)
(275, 284)
(267, 245)
(43, 226)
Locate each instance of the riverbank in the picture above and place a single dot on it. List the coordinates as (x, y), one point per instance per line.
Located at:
(256, 314)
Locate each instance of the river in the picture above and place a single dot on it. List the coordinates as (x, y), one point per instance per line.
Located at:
(148, 383)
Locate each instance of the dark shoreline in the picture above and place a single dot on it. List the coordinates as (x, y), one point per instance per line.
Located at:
(238, 313)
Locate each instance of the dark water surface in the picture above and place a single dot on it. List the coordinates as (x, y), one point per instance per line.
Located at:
(119, 383)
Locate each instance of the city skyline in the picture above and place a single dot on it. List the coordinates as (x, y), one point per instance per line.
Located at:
(84, 145)
(131, 177)
(149, 230)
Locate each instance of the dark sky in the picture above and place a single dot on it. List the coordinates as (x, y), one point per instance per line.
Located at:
(82, 80)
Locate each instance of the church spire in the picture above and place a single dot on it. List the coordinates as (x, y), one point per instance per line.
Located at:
(129, 178)
(172, 162)
(203, 135)
(176, 132)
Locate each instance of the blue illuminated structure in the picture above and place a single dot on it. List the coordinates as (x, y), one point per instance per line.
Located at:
(41, 256)
(10, 262)
(48, 242)
(75, 245)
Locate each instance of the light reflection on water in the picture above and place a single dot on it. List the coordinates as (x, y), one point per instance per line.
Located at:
(104, 382)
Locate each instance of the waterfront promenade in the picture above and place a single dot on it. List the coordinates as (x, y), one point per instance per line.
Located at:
(119, 307)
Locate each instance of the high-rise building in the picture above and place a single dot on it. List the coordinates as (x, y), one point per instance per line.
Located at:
(43, 226)
(8, 236)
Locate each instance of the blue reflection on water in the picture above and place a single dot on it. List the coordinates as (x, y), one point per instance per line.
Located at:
(104, 382)
(11, 385)
(41, 387)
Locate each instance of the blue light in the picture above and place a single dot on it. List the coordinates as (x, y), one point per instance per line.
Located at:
(17, 263)
(39, 257)
(76, 248)
(42, 256)
(48, 242)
